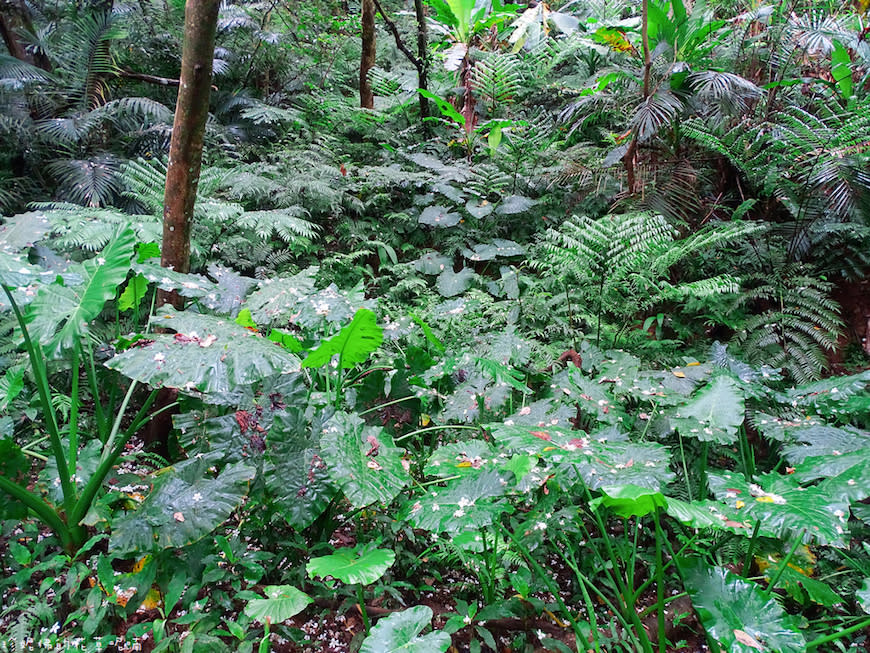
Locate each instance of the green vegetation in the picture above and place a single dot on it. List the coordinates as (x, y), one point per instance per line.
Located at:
(561, 345)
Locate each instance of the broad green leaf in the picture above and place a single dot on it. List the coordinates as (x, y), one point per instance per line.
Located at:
(714, 414)
(469, 503)
(737, 614)
(207, 354)
(629, 500)
(819, 440)
(133, 294)
(514, 204)
(23, 230)
(432, 263)
(450, 283)
(352, 566)
(353, 344)
(281, 603)
(439, 216)
(464, 458)
(187, 503)
(498, 248)
(185, 284)
(244, 319)
(479, 210)
(59, 316)
(841, 69)
(363, 460)
(400, 632)
(862, 595)
(300, 487)
(795, 584)
(596, 459)
(783, 506)
(275, 301)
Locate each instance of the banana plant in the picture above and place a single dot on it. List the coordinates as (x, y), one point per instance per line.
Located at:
(55, 326)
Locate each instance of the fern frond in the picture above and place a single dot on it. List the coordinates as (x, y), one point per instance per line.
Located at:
(286, 223)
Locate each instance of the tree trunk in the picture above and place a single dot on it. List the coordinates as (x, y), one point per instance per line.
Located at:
(367, 60)
(422, 57)
(188, 130)
(15, 16)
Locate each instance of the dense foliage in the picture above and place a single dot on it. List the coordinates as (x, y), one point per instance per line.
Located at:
(576, 362)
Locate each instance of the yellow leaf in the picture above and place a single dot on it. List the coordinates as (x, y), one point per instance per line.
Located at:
(152, 600)
(140, 564)
(679, 375)
(464, 463)
(740, 504)
(764, 499)
(425, 420)
(692, 364)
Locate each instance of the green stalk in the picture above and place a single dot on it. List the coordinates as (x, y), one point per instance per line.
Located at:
(360, 597)
(784, 564)
(747, 561)
(40, 375)
(839, 635)
(73, 426)
(43, 510)
(435, 428)
(99, 414)
(685, 468)
(660, 582)
(389, 403)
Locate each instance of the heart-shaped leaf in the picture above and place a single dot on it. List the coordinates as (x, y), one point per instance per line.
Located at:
(439, 216)
(400, 632)
(281, 602)
(714, 414)
(352, 566)
(353, 344)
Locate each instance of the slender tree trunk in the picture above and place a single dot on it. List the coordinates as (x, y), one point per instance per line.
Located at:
(367, 60)
(422, 57)
(15, 16)
(630, 155)
(188, 131)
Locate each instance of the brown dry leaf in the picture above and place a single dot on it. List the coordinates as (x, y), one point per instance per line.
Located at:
(178, 516)
(748, 640)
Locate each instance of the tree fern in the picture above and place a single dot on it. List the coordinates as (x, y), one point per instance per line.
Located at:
(497, 80)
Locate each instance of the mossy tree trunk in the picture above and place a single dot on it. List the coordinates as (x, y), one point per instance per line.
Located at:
(188, 130)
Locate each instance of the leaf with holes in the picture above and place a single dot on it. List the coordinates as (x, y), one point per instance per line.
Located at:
(353, 344)
(400, 632)
(737, 613)
(354, 566)
(363, 461)
(714, 414)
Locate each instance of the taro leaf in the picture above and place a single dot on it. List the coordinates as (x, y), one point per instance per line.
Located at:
(714, 414)
(232, 289)
(401, 632)
(432, 263)
(783, 506)
(300, 487)
(439, 216)
(186, 285)
(17, 272)
(737, 614)
(510, 282)
(352, 566)
(187, 503)
(592, 398)
(452, 283)
(846, 476)
(469, 503)
(330, 305)
(595, 458)
(480, 210)
(275, 300)
(507, 347)
(86, 465)
(462, 405)
(862, 595)
(353, 344)
(281, 603)
(706, 514)
(544, 412)
(498, 247)
(785, 430)
(829, 391)
(22, 231)
(363, 461)
(818, 440)
(514, 204)
(207, 354)
(629, 500)
(59, 316)
(464, 458)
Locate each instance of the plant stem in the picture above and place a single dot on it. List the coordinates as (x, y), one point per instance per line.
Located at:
(685, 468)
(73, 426)
(838, 635)
(360, 597)
(784, 564)
(747, 561)
(436, 428)
(660, 583)
(46, 512)
(389, 403)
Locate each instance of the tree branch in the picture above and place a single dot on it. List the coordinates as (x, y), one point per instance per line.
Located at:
(150, 79)
(399, 42)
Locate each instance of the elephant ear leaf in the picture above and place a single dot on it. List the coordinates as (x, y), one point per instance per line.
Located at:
(353, 344)
(59, 316)
(715, 413)
(737, 613)
(401, 632)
